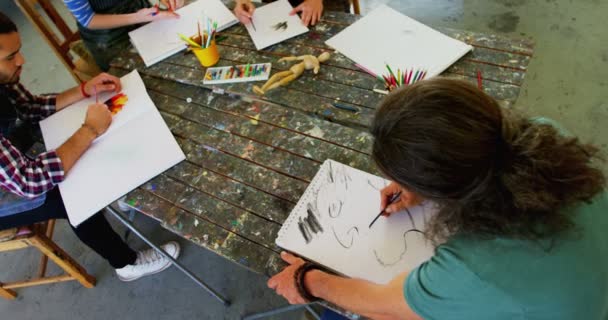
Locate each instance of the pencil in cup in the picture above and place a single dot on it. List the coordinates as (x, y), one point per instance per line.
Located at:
(207, 56)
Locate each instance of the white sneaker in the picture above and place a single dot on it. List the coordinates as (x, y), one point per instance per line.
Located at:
(149, 262)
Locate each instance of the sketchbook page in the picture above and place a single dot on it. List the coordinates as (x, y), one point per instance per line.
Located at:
(385, 36)
(57, 128)
(273, 24)
(330, 225)
(132, 155)
(159, 39)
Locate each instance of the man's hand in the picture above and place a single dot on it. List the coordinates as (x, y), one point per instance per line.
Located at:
(103, 82)
(407, 199)
(284, 282)
(243, 10)
(311, 11)
(98, 118)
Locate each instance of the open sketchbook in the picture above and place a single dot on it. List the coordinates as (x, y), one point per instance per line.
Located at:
(137, 147)
(385, 36)
(273, 24)
(330, 225)
(158, 40)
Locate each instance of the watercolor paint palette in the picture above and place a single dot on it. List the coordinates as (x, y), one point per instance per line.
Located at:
(239, 73)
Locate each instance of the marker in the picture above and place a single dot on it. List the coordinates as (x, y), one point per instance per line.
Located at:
(390, 201)
(345, 107)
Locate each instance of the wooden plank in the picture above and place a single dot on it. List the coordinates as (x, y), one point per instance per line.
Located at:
(274, 115)
(240, 195)
(37, 282)
(13, 245)
(261, 135)
(62, 259)
(243, 171)
(311, 104)
(227, 244)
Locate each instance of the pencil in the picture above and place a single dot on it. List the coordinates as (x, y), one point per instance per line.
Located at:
(345, 107)
(392, 200)
(479, 80)
(96, 97)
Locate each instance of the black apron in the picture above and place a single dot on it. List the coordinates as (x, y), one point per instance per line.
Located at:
(106, 44)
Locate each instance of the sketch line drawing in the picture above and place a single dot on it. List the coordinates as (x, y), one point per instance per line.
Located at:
(335, 209)
(309, 225)
(384, 263)
(281, 26)
(352, 238)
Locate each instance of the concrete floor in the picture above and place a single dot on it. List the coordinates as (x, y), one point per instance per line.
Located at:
(566, 81)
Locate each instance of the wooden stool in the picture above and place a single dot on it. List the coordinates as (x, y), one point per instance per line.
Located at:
(39, 236)
(66, 43)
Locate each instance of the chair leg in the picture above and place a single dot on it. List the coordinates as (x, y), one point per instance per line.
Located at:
(7, 293)
(62, 259)
(356, 8)
(50, 228)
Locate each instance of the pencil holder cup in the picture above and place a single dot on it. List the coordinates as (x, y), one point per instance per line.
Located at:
(206, 56)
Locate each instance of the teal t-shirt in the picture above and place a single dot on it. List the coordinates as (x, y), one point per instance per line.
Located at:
(514, 279)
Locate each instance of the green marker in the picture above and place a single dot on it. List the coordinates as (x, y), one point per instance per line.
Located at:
(247, 70)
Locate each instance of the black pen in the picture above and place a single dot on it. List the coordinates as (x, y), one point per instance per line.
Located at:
(392, 200)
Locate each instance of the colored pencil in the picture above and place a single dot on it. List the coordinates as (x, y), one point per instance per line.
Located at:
(371, 73)
(96, 97)
(479, 80)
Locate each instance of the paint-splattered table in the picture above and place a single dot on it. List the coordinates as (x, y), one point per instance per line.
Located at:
(249, 160)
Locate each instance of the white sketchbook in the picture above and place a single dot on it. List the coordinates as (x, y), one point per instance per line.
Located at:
(273, 24)
(137, 147)
(385, 36)
(159, 40)
(330, 225)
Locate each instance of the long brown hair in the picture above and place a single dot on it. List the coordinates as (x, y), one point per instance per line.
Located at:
(491, 171)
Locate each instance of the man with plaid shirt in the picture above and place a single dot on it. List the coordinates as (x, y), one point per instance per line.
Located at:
(28, 185)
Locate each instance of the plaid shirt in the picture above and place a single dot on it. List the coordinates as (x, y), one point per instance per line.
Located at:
(19, 174)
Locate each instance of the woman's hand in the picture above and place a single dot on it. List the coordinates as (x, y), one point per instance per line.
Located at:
(173, 4)
(154, 14)
(284, 282)
(243, 10)
(311, 11)
(407, 199)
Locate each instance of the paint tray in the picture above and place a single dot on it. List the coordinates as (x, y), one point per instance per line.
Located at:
(238, 73)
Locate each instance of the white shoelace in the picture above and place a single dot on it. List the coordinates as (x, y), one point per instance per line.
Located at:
(148, 256)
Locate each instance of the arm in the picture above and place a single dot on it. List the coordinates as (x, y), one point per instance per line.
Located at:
(34, 108)
(101, 83)
(31, 178)
(82, 11)
(362, 297)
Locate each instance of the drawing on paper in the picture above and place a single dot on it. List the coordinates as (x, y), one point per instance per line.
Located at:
(330, 201)
(309, 225)
(391, 261)
(116, 103)
(280, 26)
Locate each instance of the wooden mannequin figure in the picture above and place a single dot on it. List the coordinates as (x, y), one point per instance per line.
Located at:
(282, 78)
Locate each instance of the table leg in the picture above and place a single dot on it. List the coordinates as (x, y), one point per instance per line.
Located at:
(166, 255)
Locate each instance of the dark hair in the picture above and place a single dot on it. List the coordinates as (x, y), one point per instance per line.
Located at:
(491, 171)
(6, 24)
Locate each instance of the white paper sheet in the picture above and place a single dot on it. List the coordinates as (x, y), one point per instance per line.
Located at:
(128, 156)
(344, 201)
(387, 36)
(159, 39)
(268, 20)
(72, 118)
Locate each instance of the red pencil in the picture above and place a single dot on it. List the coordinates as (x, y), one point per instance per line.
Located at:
(96, 97)
(479, 84)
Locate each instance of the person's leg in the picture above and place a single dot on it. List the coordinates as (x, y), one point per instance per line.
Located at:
(96, 232)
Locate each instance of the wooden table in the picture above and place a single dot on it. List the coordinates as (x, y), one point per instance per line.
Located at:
(250, 159)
